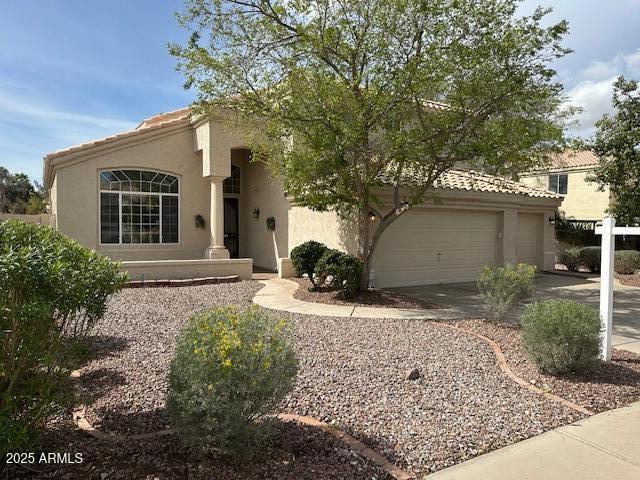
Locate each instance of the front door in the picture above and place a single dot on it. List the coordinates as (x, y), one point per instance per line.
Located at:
(231, 241)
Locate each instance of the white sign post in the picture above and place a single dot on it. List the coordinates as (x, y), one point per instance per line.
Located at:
(608, 230)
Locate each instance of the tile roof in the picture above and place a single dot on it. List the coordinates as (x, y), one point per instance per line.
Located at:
(573, 159)
(472, 180)
(165, 117)
(153, 123)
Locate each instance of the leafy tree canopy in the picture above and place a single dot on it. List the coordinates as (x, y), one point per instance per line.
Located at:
(19, 195)
(617, 144)
(363, 89)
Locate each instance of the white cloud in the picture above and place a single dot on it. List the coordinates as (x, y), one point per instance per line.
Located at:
(595, 87)
(594, 97)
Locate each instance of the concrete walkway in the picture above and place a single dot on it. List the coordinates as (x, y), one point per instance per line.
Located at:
(278, 295)
(602, 447)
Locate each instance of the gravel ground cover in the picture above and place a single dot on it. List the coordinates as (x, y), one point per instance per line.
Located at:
(134, 343)
(374, 297)
(297, 452)
(125, 388)
(354, 375)
(612, 385)
(630, 280)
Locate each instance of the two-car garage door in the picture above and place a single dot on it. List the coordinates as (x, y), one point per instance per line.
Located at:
(435, 247)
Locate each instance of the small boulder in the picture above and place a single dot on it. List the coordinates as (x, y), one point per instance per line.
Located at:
(413, 374)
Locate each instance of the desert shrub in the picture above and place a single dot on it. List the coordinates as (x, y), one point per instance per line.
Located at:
(51, 291)
(561, 336)
(305, 257)
(570, 258)
(590, 258)
(504, 287)
(231, 368)
(343, 269)
(627, 262)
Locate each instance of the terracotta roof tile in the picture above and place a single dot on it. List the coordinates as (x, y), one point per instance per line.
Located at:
(139, 130)
(471, 180)
(573, 159)
(165, 117)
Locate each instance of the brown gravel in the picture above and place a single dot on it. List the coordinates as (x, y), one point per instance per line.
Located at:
(612, 385)
(353, 374)
(296, 452)
(630, 280)
(374, 297)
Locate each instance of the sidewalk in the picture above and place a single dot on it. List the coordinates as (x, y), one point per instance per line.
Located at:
(602, 447)
(278, 295)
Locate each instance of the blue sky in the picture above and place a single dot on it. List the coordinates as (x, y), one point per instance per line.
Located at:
(78, 70)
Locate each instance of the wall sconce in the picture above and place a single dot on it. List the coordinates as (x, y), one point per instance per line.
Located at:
(256, 213)
(271, 223)
(200, 223)
(372, 216)
(552, 219)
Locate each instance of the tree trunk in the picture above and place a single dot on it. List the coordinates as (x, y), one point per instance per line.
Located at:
(364, 226)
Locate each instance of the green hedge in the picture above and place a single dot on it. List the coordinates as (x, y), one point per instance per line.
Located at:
(52, 290)
(503, 288)
(627, 262)
(305, 257)
(344, 270)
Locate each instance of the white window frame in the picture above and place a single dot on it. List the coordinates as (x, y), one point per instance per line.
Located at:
(120, 193)
(557, 182)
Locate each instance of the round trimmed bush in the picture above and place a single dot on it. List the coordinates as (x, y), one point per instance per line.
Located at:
(562, 336)
(305, 257)
(627, 262)
(570, 258)
(231, 368)
(590, 258)
(345, 271)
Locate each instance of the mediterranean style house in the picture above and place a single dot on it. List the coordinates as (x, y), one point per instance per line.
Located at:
(179, 197)
(566, 176)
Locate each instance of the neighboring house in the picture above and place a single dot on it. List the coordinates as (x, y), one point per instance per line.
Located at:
(178, 197)
(566, 176)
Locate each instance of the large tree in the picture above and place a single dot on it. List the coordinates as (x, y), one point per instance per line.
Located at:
(19, 195)
(360, 105)
(617, 144)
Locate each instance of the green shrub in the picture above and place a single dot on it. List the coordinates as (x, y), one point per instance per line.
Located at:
(305, 257)
(570, 258)
(231, 368)
(590, 258)
(504, 287)
(51, 291)
(562, 336)
(345, 271)
(627, 262)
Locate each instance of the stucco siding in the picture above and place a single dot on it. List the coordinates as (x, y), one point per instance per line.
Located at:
(324, 227)
(77, 196)
(583, 201)
(266, 194)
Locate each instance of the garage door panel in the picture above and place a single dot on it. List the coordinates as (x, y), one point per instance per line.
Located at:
(435, 247)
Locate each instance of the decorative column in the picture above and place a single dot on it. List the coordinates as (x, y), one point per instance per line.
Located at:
(216, 247)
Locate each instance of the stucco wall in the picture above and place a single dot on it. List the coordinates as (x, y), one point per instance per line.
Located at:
(582, 201)
(324, 227)
(77, 195)
(263, 192)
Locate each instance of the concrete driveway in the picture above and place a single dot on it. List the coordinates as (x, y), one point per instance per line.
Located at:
(626, 301)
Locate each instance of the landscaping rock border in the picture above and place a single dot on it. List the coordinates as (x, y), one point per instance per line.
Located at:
(187, 282)
(397, 473)
(504, 366)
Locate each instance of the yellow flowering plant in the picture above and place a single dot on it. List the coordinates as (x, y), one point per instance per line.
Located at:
(231, 368)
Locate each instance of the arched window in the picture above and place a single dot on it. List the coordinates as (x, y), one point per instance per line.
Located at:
(138, 206)
(232, 183)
